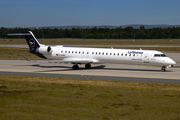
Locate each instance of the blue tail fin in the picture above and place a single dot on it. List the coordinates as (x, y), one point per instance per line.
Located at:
(30, 38)
(31, 41)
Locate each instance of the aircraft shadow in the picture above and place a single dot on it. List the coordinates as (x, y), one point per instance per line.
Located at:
(92, 68)
(120, 69)
(68, 68)
(37, 65)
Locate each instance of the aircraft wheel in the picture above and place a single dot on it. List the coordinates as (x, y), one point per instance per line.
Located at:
(88, 66)
(163, 69)
(75, 67)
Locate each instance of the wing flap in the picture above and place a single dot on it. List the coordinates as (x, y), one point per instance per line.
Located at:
(64, 61)
(80, 61)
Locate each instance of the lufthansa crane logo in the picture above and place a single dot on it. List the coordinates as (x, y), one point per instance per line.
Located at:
(31, 42)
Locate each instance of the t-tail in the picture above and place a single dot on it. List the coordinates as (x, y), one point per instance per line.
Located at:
(32, 42)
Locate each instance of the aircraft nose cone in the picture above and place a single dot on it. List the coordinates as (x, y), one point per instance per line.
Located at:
(169, 61)
(172, 62)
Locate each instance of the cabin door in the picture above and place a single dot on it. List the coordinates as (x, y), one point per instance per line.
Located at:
(146, 58)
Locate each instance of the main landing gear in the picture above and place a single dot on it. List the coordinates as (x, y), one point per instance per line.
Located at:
(75, 66)
(88, 66)
(163, 69)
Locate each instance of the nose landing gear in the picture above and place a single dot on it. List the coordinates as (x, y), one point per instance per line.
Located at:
(163, 69)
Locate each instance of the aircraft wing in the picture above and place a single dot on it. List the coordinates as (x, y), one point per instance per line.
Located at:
(77, 61)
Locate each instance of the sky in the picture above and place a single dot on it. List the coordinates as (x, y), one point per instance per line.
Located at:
(30, 13)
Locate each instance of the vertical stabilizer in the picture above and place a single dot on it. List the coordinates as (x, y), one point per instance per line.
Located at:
(32, 42)
(30, 38)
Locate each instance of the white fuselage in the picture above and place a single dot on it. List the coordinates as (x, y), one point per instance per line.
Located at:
(88, 56)
(118, 56)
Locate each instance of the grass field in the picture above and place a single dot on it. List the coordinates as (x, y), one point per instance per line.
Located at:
(54, 98)
(10, 53)
(95, 42)
(14, 53)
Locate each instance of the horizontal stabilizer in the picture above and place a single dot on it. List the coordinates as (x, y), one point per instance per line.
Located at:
(19, 34)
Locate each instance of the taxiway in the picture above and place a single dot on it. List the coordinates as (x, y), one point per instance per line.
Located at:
(112, 72)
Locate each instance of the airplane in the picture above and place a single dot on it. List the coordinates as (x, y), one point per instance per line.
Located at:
(88, 56)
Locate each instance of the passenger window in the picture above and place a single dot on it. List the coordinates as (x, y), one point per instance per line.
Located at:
(122, 54)
(106, 53)
(134, 55)
(79, 52)
(61, 51)
(110, 53)
(125, 54)
(96, 53)
(114, 53)
(76, 52)
(87, 52)
(69, 51)
(99, 53)
(92, 52)
(118, 54)
(72, 51)
(102, 53)
(129, 54)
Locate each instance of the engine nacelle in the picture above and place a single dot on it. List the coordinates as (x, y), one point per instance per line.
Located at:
(49, 49)
(45, 49)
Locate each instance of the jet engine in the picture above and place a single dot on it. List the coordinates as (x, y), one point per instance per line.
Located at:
(49, 49)
(45, 49)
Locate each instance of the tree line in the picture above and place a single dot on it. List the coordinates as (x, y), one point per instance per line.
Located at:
(99, 33)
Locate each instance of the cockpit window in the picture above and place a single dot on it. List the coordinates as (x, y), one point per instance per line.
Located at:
(159, 55)
(163, 55)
